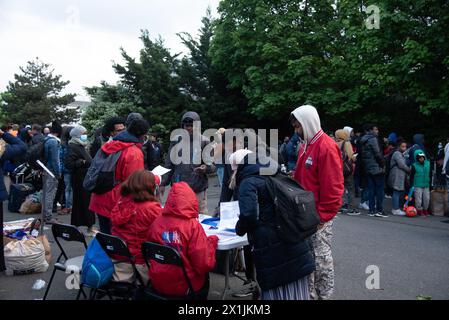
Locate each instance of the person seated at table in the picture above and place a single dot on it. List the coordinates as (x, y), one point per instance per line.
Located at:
(178, 227)
(131, 218)
(282, 269)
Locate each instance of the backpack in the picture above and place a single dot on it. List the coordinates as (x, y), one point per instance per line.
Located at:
(388, 165)
(97, 268)
(296, 215)
(100, 177)
(347, 163)
(36, 152)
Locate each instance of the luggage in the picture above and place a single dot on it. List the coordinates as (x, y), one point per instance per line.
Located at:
(18, 194)
(439, 203)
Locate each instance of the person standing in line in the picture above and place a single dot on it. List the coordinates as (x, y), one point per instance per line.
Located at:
(78, 161)
(320, 170)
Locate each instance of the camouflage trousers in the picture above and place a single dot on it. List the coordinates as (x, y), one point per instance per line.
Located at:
(321, 281)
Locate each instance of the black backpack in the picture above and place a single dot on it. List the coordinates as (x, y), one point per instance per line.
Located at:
(36, 152)
(296, 215)
(100, 177)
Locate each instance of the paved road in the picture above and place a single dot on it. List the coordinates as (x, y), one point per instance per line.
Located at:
(412, 256)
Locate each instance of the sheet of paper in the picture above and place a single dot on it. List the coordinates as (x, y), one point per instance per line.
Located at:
(229, 215)
(160, 171)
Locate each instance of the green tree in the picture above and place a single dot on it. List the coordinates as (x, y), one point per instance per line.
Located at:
(106, 101)
(35, 96)
(206, 88)
(152, 82)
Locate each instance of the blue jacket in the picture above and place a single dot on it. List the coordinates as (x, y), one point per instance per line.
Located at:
(14, 148)
(292, 152)
(63, 151)
(52, 157)
(277, 263)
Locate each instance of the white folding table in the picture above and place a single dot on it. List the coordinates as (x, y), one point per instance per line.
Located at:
(226, 242)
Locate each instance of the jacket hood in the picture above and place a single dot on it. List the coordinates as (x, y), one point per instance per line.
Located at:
(342, 135)
(181, 202)
(348, 130)
(309, 119)
(367, 137)
(393, 137)
(418, 139)
(120, 142)
(418, 151)
(192, 115)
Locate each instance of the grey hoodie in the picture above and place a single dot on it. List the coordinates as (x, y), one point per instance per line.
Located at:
(185, 172)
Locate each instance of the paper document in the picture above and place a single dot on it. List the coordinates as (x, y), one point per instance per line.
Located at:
(229, 215)
(160, 171)
(45, 168)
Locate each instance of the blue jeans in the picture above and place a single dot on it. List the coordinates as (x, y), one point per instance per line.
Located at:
(396, 199)
(68, 190)
(376, 186)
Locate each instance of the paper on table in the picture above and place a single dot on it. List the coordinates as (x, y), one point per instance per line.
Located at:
(160, 171)
(229, 214)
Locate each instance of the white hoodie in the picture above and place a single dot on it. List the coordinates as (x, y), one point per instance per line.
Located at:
(309, 119)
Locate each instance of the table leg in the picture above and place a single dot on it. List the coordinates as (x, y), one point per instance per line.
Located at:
(226, 288)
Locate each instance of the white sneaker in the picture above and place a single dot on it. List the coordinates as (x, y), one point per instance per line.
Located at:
(398, 212)
(364, 206)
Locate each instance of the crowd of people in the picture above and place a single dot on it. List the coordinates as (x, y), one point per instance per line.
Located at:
(331, 166)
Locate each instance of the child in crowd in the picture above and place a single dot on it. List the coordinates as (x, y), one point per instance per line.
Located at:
(178, 227)
(420, 178)
(131, 218)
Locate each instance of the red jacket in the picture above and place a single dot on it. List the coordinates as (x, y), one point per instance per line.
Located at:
(320, 169)
(130, 222)
(178, 227)
(130, 160)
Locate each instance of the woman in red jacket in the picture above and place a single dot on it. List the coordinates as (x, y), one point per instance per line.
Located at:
(132, 216)
(179, 228)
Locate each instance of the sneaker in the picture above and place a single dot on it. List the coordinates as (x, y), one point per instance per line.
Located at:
(364, 206)
(398, 212)
(387, 196)
(371, 214)
(353, 212)
(381, 214)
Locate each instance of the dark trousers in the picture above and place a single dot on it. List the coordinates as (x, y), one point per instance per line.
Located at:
(249, 263)
(376, 186)
(105, 224)
(2, 258)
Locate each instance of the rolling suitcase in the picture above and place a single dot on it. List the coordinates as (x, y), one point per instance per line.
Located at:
(17, 194)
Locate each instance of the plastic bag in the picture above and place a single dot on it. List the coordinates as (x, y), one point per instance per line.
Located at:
(25, 256)
(30, 207)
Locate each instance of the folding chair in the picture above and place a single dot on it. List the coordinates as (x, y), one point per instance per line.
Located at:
(68, 233)
(117, 248)
(167, 255)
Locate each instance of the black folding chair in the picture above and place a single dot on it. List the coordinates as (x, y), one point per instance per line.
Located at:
(117, 248)
(68, 233)
(168, 255)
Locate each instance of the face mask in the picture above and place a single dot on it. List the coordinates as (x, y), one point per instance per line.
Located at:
(83, 137)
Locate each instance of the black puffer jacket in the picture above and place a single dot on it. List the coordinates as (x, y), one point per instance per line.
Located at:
(277, 263)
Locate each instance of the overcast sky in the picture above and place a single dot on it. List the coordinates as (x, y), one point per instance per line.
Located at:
(81, 38)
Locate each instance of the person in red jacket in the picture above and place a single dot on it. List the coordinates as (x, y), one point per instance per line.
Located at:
(129, 142)
(132, 216)
(319, 169)
(178, 227)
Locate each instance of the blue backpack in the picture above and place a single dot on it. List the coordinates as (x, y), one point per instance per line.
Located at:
(97, 267)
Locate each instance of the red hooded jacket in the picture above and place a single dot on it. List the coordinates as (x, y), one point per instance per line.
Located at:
(130, 222)
(178, 226)
(130, 160)
(320, 169)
